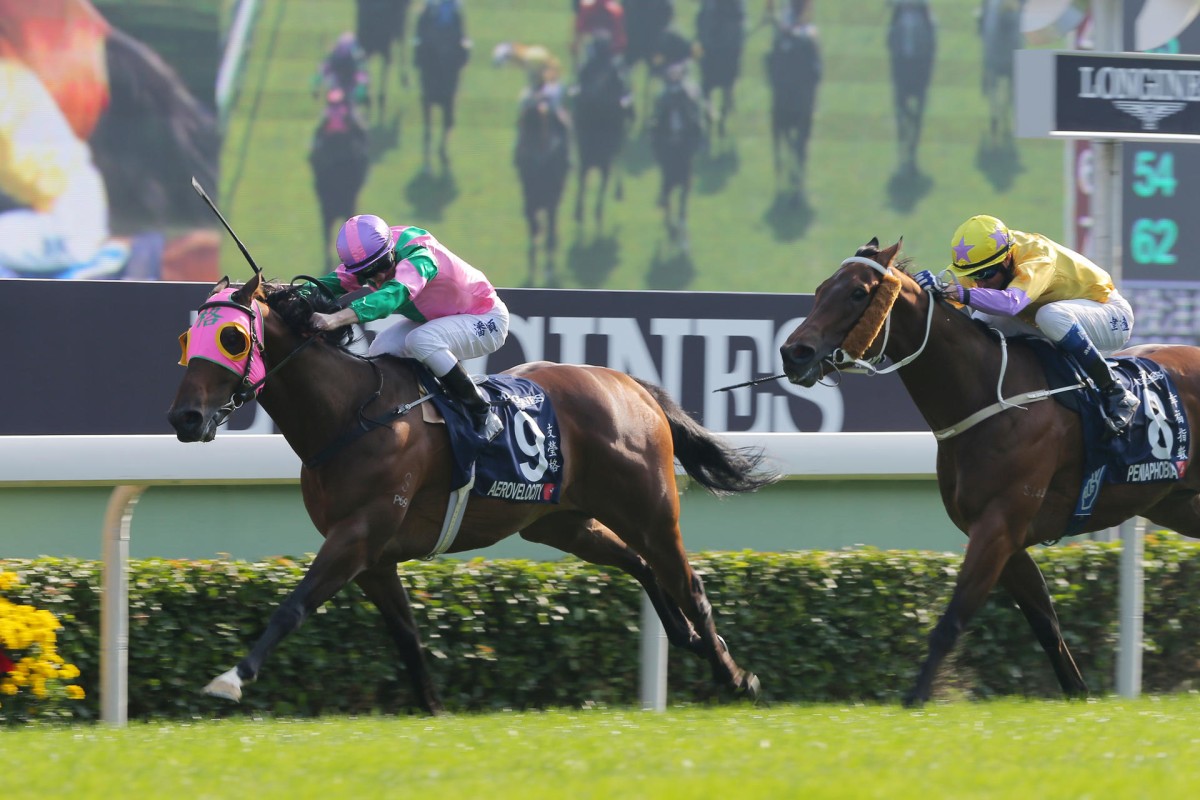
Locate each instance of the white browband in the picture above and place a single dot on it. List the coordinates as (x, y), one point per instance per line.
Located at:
(875, 265)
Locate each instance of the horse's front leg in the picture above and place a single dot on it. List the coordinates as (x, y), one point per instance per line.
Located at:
(383, 587)
(580, 187)
(599, 211)
(1025, 582)
(988, 550)
(341, 558)
(426, 135)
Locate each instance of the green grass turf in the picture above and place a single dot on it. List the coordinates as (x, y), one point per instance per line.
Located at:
(1108, 748)
(741, 239)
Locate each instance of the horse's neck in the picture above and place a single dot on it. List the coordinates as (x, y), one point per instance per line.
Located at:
(315, 397)
(957, 371)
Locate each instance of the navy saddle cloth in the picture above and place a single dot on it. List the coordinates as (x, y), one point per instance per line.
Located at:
(1155, 446)
(524, 463)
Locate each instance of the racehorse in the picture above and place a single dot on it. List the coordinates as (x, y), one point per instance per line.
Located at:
(1000, 29)
(602, 112)
(379, 23)
(720, 27)
(542, 159)
(676, 133)
(912, 43)
(440, 55)
(377, 488)
(794, 72)
(339, 157)
(645, 23)
(1008, 481)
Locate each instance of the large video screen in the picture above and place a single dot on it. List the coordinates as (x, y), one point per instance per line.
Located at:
(106, 111)
(741, 145)
(870, 119)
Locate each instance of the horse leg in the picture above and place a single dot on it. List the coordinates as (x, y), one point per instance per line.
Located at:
(593, 542)
(427, 135)
(988, 550)
(580, 186)
(1179, 512)
(447, 127)
(685, 187)
(653, 531)
(383, 73)
(341, 558)
(531, 223)
(726, 107)
(383, 587)
(599, 210)
(1025, 582)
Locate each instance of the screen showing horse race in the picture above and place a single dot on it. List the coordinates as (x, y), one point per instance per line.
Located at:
(709, 145)
(106, 110)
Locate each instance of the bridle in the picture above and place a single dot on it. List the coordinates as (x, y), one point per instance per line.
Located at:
(247, 390)
(842, 361)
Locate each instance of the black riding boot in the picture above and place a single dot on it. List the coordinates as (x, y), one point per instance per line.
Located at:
(1119, 403)
(464, 390)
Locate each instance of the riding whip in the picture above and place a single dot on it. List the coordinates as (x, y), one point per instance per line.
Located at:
(749, 383)
(204, 196)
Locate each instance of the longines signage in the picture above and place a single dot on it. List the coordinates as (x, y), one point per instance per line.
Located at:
(105, 362)
(1125, 96)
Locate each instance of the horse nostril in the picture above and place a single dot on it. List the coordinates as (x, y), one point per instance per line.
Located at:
(186, 422)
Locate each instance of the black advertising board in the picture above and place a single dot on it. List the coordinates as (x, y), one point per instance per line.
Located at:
(97, 357)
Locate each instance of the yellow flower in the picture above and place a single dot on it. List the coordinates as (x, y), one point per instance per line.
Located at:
(75, 692)
(8, 580)
(8, 687)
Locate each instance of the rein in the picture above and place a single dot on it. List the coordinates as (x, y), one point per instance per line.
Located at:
(840, 357)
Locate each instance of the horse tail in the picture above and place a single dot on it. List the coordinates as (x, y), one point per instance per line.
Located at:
(716, 465)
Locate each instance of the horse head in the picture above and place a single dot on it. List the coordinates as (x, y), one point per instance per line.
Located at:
(849, 310)
(239, 337)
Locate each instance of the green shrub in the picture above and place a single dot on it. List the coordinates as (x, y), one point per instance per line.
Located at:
(814, 626)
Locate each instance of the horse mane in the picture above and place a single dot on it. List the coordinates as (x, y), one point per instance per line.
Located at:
(295, 306)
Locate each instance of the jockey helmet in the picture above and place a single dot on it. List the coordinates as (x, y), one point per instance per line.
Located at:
(980, 242)
(364, 243)
(345, 45)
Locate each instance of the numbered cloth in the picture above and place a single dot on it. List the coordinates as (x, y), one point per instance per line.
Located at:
(1153, 449)
(524, 463)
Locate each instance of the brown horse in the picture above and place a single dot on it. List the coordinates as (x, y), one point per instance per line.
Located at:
(1011, 480)
(379, 498)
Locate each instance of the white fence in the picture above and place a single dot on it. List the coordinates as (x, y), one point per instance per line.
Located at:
(132, 463)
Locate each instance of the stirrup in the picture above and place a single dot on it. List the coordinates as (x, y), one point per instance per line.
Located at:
(490, 426)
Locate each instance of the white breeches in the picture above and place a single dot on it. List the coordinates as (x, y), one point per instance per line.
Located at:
(441, 343)
(67, 235)
(1108, 325)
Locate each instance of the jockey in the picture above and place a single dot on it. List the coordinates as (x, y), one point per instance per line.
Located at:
(452, 311)
(594, 16)
(673, 54)
(1024, 283)
(55, 207)
(345, 69)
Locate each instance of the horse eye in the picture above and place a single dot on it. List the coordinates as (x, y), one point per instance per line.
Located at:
(234, 342)
(859, 294)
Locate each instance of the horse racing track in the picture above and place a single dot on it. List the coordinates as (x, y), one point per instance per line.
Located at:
(1102, 748)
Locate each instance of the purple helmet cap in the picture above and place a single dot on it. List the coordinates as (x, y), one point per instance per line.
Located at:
(362, 241)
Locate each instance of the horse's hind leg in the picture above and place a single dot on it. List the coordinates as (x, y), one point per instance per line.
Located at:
(1024, 581)
(1178, 511)
(383, 587)
(589, 540)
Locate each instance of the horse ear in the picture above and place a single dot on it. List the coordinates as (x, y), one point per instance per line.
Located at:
(248, 291)
(873, 243)
(889, 254)
(220, 285)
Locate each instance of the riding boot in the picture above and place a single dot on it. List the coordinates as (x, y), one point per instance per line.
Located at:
(1119, 403)
(487, 423)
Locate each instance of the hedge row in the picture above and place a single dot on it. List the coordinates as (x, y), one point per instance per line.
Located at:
(815, 626)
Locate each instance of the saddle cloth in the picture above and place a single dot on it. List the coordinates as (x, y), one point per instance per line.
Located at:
(524, 463)
(1155, 446)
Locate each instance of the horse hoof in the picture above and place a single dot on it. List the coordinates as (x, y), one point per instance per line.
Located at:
(912, 700)
(226, 685)
(751, 687)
